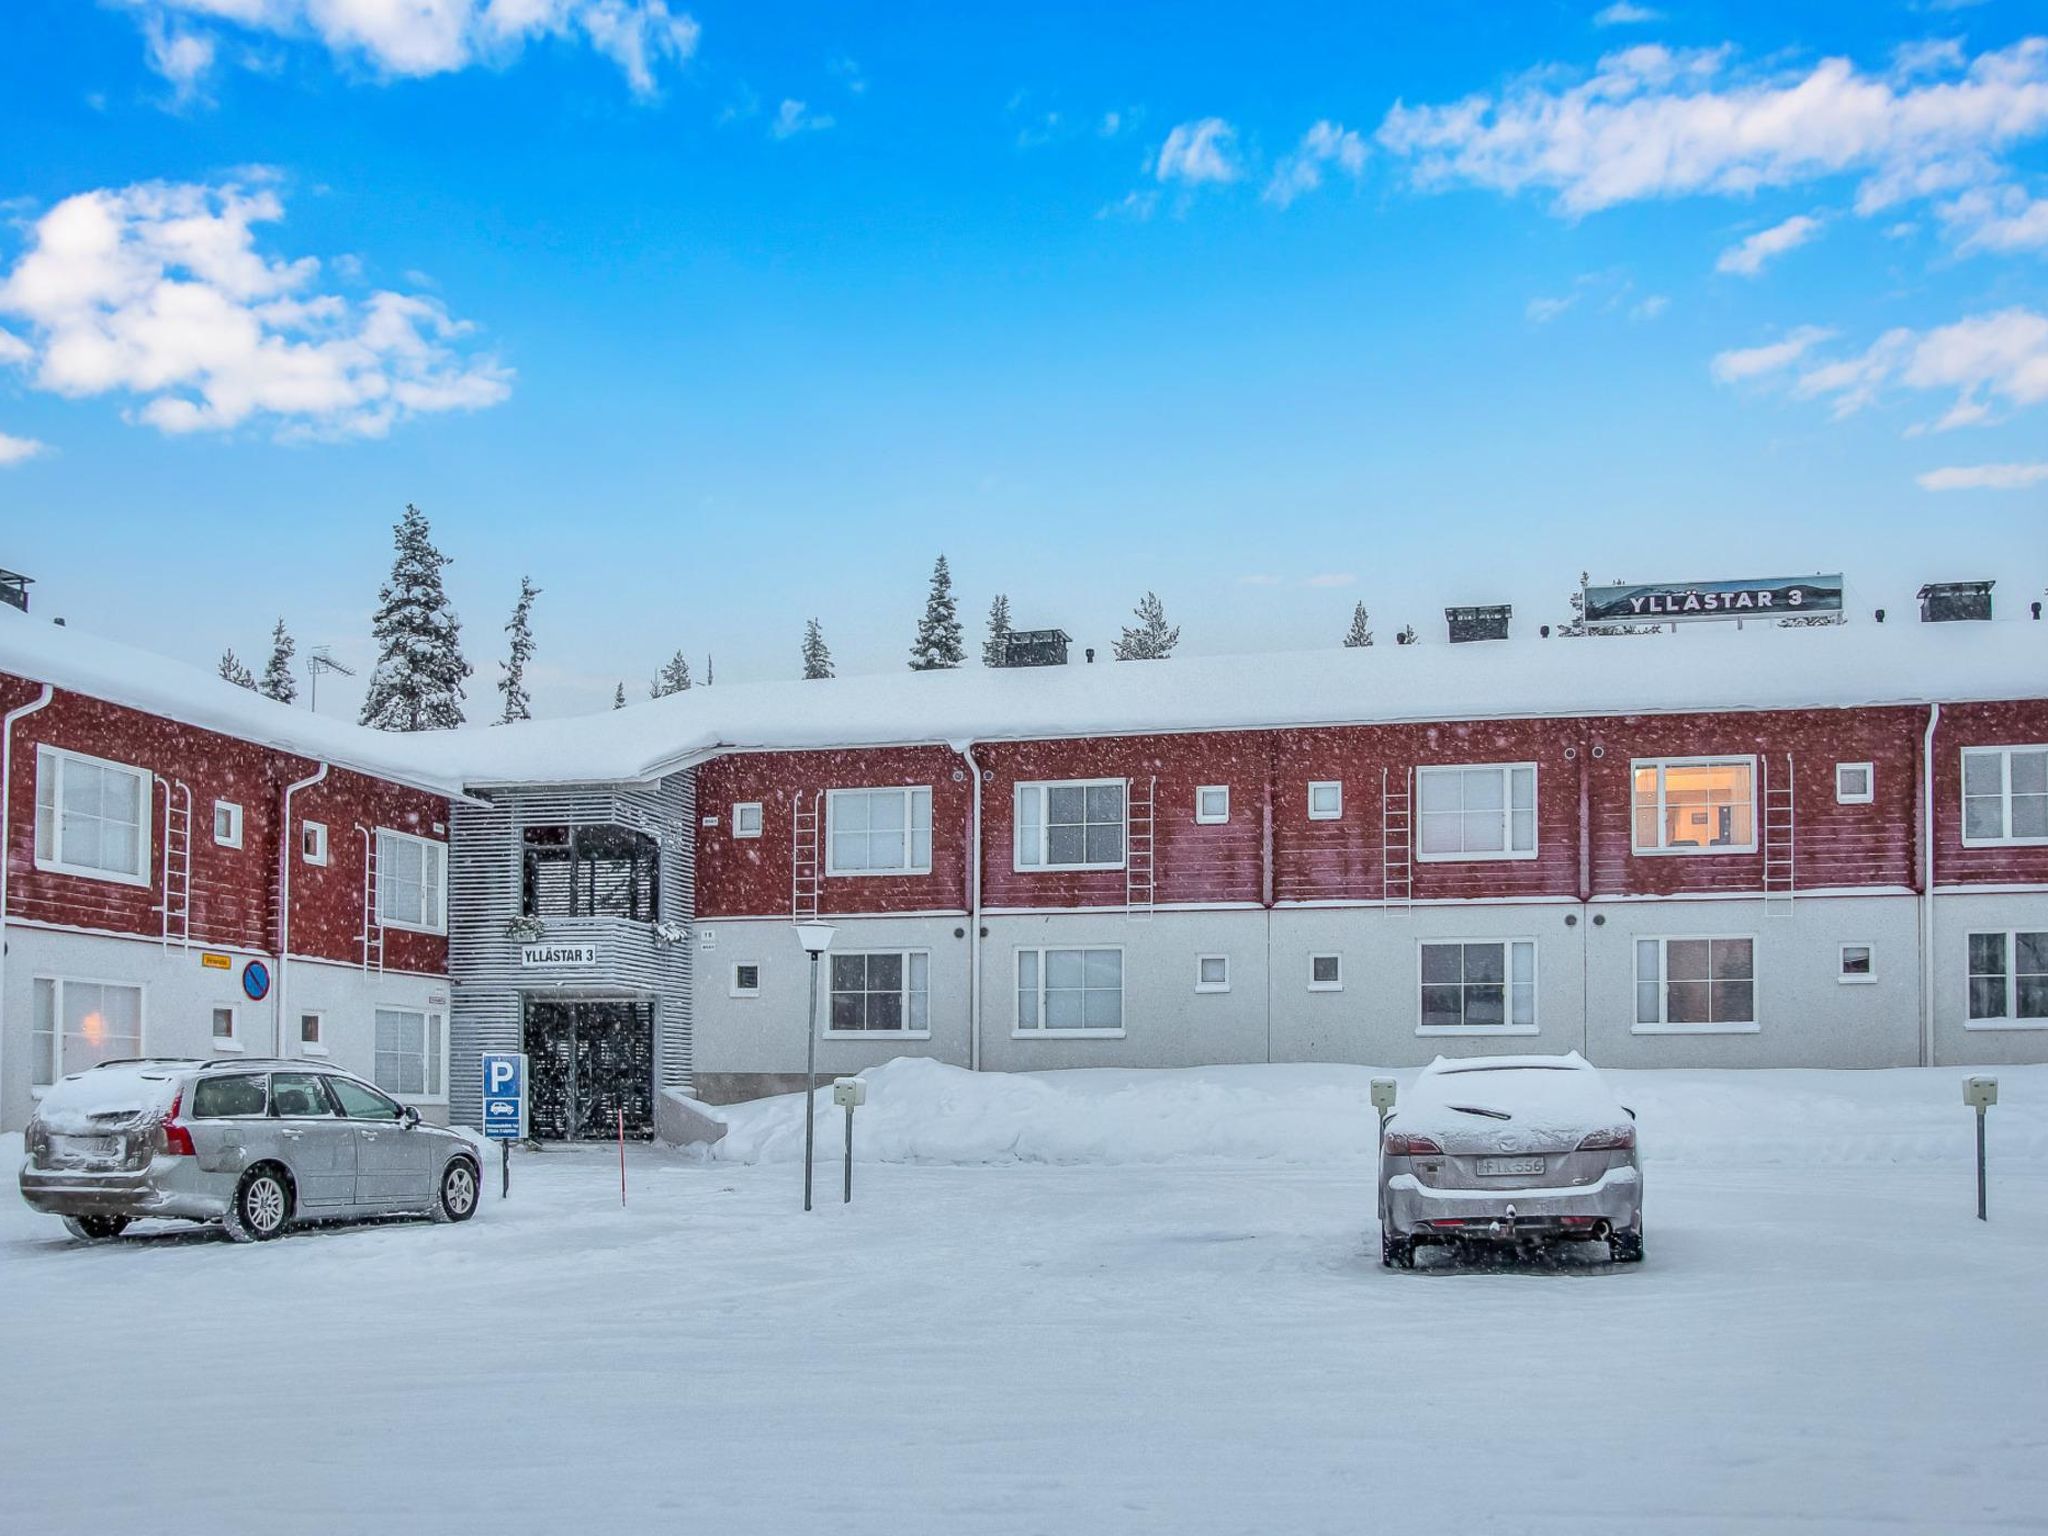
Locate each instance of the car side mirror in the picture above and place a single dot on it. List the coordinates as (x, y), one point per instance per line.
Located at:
(408, 1117)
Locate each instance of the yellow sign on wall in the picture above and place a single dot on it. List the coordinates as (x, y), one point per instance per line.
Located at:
(215, 962)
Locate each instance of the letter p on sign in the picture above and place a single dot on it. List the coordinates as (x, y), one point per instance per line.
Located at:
(504, 1074)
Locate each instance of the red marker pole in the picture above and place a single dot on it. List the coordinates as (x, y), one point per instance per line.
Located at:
(622, 1157)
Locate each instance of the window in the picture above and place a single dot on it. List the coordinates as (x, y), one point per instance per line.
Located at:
(410, 874)
(2005, 795)
(79, 1024)
(746, 818)
(2009, 980)
(1325, 973)
(313, 1034)
(882, 993)
(1476, 813)
(746, 979)
(878, 831)
(360, 1103)
(1856, 963)
(408, 1053)
(597, 871)
(1855, 783)
(237, 1096)
(1070, 992)
(1325, 800)
(1212, 805)
(227, 823)
(1695, 984)
(224, 1037)
(1475, 987)
(1073, 824)
(313, 842)
(1212, 973)
(92, 817)
(1695, 805)
(298, 1096)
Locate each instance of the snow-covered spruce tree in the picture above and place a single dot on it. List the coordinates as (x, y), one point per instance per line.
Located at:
(1151, 638)
(674, 677)
(995, 650)
(1407, 635)
(417, 685)
(1360, 632)
(278, 682)
(619, 697)
(817, 654)
(938, 644)
(233, 670)
(512, 670)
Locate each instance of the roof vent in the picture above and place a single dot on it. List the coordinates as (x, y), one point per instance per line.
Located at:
(1489, 623)
(14, 589)
(1946, 602)
(1036, 648)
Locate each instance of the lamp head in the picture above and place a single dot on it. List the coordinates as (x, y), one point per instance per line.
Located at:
(816, 938)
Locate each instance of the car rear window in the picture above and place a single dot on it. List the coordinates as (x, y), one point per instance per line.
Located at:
(218, 1098)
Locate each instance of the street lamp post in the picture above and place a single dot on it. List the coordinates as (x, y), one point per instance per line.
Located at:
(816, 938)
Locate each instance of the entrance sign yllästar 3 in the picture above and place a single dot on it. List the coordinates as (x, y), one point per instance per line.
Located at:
(1675, 602)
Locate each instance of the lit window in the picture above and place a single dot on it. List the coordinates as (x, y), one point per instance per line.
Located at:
(1212, 804)
(885, 993)
(79, 1024)
(1476, 813)
(1073, 824)
(1695, 805)
(1479, 986)
(879, 831)
(409, 1053)
(1857, 963)
(746, 979)
(1212, 973)
(1704, 984)
(2005, 795)
(92, 817)
(313, 842)
(227, 823)
(1325, 973)
(1070, 991)
(746, 818)
(2009, 979)
(1325, 800)
(1854, 783)
(411, 874)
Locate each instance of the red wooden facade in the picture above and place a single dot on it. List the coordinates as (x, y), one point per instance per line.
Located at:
(233, 891)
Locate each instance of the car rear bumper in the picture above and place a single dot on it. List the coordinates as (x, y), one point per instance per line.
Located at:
(1414, 1209)
(171, 1187)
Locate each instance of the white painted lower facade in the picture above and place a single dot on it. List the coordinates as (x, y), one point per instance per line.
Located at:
(179, 993)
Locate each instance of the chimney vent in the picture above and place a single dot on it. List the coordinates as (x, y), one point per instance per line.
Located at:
(1487, 623)
(1090, 653)
(1948, 602)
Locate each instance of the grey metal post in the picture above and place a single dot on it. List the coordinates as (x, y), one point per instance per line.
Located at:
(1980, 1164)
(811, 1074)
(848, 1198)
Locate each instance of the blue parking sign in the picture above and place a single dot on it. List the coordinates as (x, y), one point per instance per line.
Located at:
(504, 1074)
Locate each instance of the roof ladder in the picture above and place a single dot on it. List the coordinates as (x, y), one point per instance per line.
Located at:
(1397, 838)
(1780, 826)
(806, 866)
(176, 906)
(372, 936)
(1140, 864)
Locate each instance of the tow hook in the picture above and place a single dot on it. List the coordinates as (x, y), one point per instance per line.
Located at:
(1505, 1224)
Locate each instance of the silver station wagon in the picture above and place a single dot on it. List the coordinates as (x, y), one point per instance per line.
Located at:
(254, 1145)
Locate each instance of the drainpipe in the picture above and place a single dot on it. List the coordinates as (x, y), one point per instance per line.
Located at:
(284, 900)
(1927, 887)
(40, 701)
(966, 751)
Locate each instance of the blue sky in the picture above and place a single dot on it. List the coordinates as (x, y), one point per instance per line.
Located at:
(717, 318)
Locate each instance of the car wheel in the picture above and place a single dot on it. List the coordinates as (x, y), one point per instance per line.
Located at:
(457, 1199)
(1396, 1252)
(95, 1229)
(262, 1206)
(1626, 1247)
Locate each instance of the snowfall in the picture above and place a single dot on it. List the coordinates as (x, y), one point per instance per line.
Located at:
(1077, 1303)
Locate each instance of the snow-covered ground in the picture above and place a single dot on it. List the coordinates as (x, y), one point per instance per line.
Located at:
(1081, 1303)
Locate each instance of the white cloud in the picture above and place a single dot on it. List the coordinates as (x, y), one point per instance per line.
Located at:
(1198, 152)
(181, 56)
(2001, 218)
(1136, 206)
(1748, 257)
(1754, 362)
(1652, 122)
(1544, 310)
(1327, 144)
(1623, 14)
(157, 291)
(1650, 306)
(795, 117)
(1984, 477)
(15, 450)
(431, 37)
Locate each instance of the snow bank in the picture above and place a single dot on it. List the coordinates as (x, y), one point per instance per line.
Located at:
(921, 1111)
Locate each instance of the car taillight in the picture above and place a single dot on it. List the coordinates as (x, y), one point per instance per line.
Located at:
(1614, 1139)
(1401, 1144)
(177, 1140)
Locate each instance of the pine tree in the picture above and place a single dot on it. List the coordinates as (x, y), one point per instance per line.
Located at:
(234, 671)
(518, 706)
(817, 654)
(278, 682)
(674, 677)
(938, 644)
(1360, 633)
(619, 697)
(417, 685)
(1151, 638)
(1407, 635)
(995, 649)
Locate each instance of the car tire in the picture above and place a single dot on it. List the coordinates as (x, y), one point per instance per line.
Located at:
(262, 1206)
(95, 1229)
(461, 1183)
(1626, 1247)
(1396, 1252)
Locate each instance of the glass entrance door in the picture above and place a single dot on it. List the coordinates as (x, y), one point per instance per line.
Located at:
(591, 1060)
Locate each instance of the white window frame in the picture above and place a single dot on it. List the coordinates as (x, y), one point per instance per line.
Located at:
(439, 858)
(1326, 986)
(1335, 812)
(2010, 1019)
(1849, 797)
(735, 988)
(1017, 1029)
(315, 833)
(52, 760)
(232, 837)
(1714, 759)
(1842, 973)
(1042, 788)
(1661, 1026)
(1206, 818)
(232, 1040)
(1507, 960)
(317, 1046)
(2005, 839)
(827, 1032)
(1507, 814)
(1212, 986)
(430, 1070)
(740, 831)
(909, 792)
(53, 1064)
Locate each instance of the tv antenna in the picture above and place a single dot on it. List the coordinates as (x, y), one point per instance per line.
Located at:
(321, 659)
